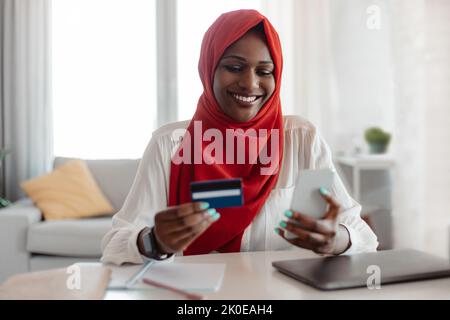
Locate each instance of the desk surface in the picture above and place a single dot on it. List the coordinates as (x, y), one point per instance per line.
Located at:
(250, 275)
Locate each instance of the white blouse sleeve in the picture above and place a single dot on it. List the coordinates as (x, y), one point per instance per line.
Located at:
(362, 238)
(146, 197)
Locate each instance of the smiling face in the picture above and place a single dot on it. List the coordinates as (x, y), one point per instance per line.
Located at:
(244, 80)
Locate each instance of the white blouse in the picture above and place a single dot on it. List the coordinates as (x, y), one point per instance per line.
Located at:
(303, 149)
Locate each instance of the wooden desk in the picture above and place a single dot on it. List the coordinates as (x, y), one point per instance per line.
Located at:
(250, 275)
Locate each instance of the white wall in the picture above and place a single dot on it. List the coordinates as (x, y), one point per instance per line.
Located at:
(349, 77)
(363, 66)
(343, 78)
(437, 132)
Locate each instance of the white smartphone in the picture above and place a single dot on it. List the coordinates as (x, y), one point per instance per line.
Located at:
(306, 198)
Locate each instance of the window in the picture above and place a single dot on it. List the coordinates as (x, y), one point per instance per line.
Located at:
(193, 19)
(104, 77)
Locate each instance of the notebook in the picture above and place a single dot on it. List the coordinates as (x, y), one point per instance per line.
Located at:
(205, 277)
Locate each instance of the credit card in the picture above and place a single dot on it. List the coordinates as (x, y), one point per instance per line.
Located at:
(221, 193)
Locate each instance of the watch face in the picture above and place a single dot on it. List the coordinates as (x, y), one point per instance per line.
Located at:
(148, 245)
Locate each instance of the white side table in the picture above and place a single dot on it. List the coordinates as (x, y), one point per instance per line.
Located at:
(370, 180)
(364, 162)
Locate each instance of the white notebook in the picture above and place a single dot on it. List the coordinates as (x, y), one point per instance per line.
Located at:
(206, 277)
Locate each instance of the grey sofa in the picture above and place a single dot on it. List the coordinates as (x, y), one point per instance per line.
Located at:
(28, 244)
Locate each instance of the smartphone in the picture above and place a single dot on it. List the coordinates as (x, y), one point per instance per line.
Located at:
(306, 198)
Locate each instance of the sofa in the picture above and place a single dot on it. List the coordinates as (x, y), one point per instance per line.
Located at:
(29, 243)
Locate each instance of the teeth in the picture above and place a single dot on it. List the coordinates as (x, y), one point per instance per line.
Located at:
(245, 99)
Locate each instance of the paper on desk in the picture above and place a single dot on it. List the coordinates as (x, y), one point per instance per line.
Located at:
(121, 274)
(187, 276)
(58, 284)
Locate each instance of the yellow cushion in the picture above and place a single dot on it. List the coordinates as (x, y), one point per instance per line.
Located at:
(70, 191)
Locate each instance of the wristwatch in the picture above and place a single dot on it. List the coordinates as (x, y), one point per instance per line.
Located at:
(151, 248)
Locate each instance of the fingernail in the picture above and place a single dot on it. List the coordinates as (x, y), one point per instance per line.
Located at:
(216, 216)
(277, 231)
(324, 191)
(288, 213)
(204, 205)
(212, 212)
(283, 224)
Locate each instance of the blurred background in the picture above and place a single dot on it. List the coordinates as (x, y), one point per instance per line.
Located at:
(93, 78)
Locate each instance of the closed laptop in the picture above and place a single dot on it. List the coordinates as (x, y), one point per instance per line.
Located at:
(339, 272)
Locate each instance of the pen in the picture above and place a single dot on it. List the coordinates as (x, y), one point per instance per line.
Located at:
(189, 295)
(130, 283)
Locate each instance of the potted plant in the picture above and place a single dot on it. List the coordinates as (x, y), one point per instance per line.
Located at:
(3, 202)
(377, 139)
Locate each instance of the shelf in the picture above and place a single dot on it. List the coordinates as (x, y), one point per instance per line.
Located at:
(367, 162)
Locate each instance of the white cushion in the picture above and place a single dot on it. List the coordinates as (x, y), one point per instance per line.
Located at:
(71, 237)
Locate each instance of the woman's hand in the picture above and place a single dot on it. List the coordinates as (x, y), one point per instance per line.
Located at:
(177, 227)
(323, 236)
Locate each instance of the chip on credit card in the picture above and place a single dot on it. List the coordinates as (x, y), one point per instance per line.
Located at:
(221, 193)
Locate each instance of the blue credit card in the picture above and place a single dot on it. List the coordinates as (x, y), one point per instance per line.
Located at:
(218, 193)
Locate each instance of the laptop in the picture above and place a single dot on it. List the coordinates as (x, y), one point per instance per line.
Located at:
(340, 272)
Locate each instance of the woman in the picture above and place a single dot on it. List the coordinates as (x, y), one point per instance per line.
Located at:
(240, 68)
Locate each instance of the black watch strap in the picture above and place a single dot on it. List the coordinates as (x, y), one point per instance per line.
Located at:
(151, 247)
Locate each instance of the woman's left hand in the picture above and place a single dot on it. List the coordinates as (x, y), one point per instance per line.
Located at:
(323, 236)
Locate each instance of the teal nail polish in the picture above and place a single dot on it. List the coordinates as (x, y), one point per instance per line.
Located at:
(204, 205)
(216, 216)
(212, 212)
(283, 224)
(288, 213)
(277, 231)
(324, 191)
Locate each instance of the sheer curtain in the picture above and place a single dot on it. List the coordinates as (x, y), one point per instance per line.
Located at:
(408, 45)
(334, 67)
(347, 77)
(421, 55)
(25, 103)
(283, 16)
(314, 76)
(437, 129)
(309, 84)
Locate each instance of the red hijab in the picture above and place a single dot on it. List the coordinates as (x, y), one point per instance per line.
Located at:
(225, 235)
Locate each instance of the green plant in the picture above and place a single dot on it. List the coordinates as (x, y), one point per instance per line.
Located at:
(3, 202)
(376, 135)
(3, 154)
